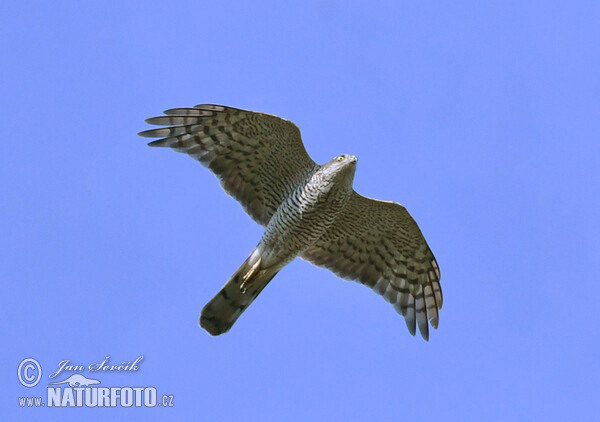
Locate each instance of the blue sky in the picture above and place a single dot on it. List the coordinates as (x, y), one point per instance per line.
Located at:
(482, 118)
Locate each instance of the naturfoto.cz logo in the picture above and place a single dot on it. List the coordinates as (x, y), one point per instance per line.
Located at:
(77, 390)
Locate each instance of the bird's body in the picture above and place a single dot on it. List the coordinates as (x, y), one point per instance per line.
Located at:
(308, 210)
(305, 215)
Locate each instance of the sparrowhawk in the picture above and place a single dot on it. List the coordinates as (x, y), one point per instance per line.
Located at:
(308, 210)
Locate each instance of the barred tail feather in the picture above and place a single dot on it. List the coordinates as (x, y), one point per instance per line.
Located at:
(219, 315)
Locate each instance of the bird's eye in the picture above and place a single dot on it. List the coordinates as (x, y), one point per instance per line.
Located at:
(340, 158)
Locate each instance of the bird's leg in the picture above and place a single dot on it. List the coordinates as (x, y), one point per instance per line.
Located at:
(248, 275)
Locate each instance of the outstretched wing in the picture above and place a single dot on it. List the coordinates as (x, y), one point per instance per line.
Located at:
(380, 245)
(259, 158)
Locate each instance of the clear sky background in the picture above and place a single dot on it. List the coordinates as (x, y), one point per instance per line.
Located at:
(482, 118)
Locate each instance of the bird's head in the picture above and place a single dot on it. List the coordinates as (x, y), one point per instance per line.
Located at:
(341, 169)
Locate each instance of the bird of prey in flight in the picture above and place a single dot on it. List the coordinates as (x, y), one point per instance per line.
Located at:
(307, 210)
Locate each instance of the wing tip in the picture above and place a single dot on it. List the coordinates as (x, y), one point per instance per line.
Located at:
(425, 333)
(157, 143)
(144, 134)
(411, 325)
(158, 120)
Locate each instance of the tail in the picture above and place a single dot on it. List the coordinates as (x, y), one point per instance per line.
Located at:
(219, 315)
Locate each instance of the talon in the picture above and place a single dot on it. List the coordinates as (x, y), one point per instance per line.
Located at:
(249, 274)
